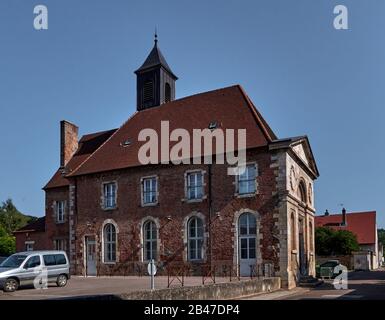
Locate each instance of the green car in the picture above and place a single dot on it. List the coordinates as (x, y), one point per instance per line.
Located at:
(326, 269)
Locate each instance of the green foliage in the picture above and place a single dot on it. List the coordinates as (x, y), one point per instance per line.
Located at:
(381, 236)
(323, 236)
(7, 245)
(11, 220)
(335, 242)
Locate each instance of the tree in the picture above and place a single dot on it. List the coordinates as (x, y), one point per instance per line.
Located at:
(381, 236)
(7, 245)
(335, 242)
(322, 241)
(12, 219)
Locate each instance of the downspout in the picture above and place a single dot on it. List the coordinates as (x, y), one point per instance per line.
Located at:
(210, 210)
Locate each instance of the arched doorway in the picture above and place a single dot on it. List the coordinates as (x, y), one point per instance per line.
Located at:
(302, 253)
(247, 243)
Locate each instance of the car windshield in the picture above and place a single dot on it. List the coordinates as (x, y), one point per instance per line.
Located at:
(13, 261)
(329, 264)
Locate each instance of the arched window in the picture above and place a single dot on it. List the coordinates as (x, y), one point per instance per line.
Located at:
(167, 92)
(302, 191)
(150, 236)
(109, 243)
(247, 236)
(195, 239)
(292, 232)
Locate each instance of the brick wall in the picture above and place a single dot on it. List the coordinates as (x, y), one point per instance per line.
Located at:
(54, 229)
(129, 214)
(40, 240)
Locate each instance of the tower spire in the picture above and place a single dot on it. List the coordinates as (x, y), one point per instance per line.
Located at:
(156, 36)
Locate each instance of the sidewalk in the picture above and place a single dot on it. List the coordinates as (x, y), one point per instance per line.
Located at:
(277, 295)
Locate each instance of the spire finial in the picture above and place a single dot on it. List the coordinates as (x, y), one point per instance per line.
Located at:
(156, 36)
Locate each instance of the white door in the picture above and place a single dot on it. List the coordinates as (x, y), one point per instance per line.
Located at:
(247, 243)
(91, 257)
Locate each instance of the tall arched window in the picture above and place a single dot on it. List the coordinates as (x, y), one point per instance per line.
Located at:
(167, 92)
(302, 191)
(150, 236)
(292, 232)
(311, 237)
(247, 236)
(195, 239)
(109, 243)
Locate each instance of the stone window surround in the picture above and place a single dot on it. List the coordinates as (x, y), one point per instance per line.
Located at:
(151, 204)
(105, 222)
(235, 230)
(235, 182)
(186, 197)
(55, 211)
(27, 243)
(116, 195)
(60, 239)
(158, 240)
(186, 221)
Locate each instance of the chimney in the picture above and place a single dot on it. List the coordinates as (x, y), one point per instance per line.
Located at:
(326, 212)
(68, 141)
(343, 217)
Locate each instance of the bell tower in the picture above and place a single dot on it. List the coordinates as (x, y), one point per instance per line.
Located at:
(155, 82)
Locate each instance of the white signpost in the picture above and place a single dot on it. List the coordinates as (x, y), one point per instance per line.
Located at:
(151, 268)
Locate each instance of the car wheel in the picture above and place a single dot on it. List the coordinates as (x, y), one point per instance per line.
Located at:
(61, 280)
(11, 285)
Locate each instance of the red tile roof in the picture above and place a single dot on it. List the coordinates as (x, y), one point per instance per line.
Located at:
(362, 224)
(35, 226)
(230, 107)
(87, 145)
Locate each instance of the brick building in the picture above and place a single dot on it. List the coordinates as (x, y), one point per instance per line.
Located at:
(363, 225)
(107, 209)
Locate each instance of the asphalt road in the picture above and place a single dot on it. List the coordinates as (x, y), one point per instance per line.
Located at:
(363, 285)
(81, 287)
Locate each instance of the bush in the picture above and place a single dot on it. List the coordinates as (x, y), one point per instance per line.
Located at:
(7, 245)
(335, 242)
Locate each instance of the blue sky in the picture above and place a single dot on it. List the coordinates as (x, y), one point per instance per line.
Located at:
(304, 76)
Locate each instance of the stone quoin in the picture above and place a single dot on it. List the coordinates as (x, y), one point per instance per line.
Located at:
(106, 209)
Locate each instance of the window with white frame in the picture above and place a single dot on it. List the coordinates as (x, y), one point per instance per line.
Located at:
(150, 242)
(29, 245)
(109, 196)
(246, 180)
(195, 239)
(109, 243)
(59, 208)
(194, 185)
(60, 244)
(150, 190)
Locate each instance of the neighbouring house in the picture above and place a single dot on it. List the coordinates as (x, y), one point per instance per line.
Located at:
(363, 225)
(107, 209)
(32, 236)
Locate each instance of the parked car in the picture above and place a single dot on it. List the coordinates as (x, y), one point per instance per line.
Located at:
(2, 259)
(21, 269)
(327, 269)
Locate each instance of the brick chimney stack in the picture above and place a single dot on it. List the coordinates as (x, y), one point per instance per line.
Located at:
(68, 141)
(344, 217)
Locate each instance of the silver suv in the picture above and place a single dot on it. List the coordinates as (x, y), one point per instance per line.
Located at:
(34, 268)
